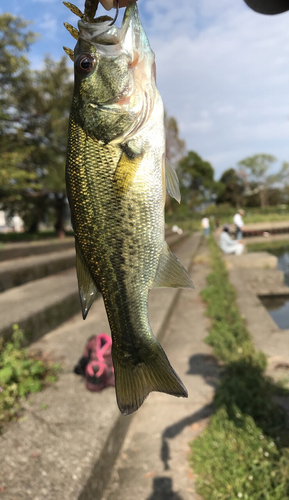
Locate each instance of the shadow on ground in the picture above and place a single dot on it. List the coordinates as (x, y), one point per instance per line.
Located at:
(207, 367)
(163, 490)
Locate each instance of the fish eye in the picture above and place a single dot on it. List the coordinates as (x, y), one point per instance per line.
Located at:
(85, 63)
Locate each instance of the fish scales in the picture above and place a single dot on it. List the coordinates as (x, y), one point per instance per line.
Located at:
(119, 247)
(115, 186)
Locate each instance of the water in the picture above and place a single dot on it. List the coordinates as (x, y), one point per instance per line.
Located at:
(278, 306)
(283, 265)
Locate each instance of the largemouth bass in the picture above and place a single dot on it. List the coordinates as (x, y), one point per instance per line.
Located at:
(116, 188)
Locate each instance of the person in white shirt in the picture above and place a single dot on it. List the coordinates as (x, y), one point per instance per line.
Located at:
(206, 226)
(239, 224)
(228, 245)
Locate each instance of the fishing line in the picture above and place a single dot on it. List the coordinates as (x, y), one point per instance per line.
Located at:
(116, 14)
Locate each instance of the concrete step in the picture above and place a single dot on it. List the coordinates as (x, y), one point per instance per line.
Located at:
(16, 250)
(39, 306)
(21, 270)
(67, 450)
(16, 272)
(174, 239)
(255, 260)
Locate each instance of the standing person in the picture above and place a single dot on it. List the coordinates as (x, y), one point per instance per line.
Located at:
(229, 246)
(206, 226)
(17, 224)
(239, 224)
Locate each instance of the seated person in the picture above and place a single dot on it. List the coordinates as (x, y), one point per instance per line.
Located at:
(228, 245)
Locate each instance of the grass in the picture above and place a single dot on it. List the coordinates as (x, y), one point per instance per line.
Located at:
(234, 459)
(21, 373)
(242, 453)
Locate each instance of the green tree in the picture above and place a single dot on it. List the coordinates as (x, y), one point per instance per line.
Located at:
(46, 101)
(198, 184)
(34, 110)
(232, 188)
(283, 174)
(15, 40)
(258, 167)
(175, 150)
(175, 146)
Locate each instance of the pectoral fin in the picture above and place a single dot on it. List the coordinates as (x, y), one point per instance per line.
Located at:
(126, 170)
(172, 181)
(87, 288)
(170, 272)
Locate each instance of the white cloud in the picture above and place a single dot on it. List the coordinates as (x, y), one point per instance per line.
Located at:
(49, 26)
(234, 64)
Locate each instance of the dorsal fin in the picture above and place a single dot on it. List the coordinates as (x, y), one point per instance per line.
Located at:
(73, 31)
(75, 10)
(69, 52)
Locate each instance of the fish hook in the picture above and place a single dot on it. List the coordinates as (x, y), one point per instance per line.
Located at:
(116, 14)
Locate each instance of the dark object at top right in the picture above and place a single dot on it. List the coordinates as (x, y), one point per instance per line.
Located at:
(268, 6)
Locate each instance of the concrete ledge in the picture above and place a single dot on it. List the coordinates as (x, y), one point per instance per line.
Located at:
(266, 335)
(265, 281)
(175, 239)
(255, 260)
(39, 306)
(19, 271)
(16, 250)
(269, 239)
(67, 450)
(267, 226)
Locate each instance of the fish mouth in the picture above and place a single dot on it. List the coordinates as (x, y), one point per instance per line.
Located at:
(101, 32)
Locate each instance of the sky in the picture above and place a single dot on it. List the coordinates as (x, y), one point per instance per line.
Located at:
(222, 70)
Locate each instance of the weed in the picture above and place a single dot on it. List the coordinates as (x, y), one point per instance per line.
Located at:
(234, 459)
(21, 373)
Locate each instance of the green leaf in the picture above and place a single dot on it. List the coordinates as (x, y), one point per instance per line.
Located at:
(6, 375)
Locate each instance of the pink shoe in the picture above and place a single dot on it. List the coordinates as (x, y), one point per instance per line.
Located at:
(103, 348)
(98, 347)
(98, 376)
(98, 367)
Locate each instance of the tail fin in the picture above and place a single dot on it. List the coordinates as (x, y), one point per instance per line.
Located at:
(134, 381)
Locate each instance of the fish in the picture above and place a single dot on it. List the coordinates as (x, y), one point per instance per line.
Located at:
(116, 176)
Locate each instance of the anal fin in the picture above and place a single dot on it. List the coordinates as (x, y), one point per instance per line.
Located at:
(86, 286)
(170, 272)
